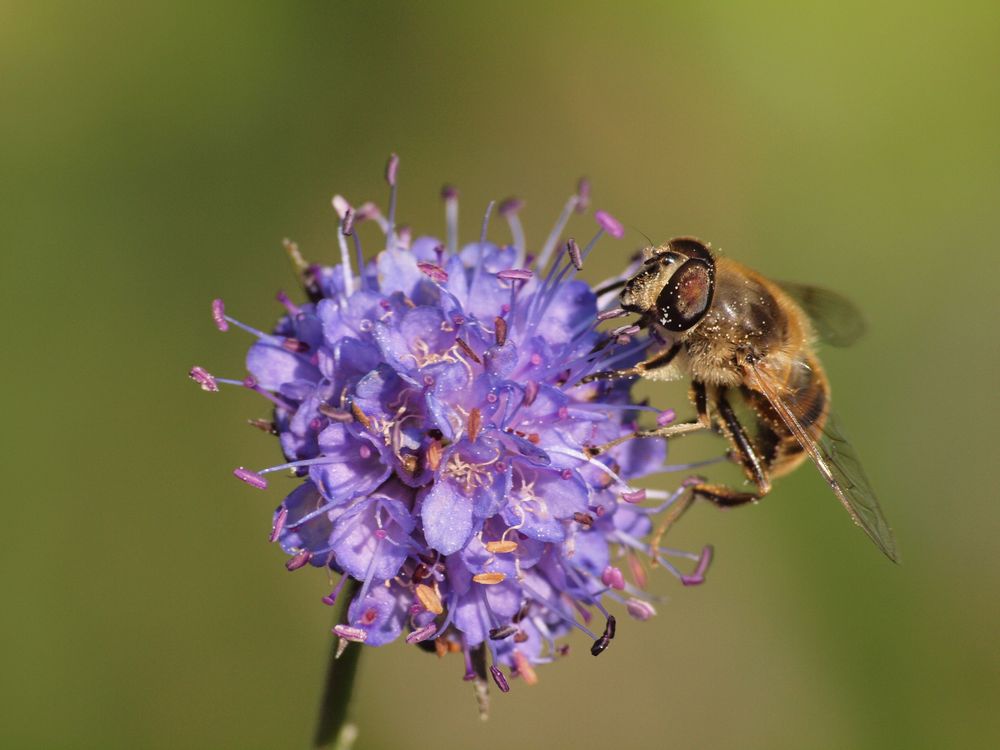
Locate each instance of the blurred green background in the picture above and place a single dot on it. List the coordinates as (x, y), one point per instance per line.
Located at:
(153, 156)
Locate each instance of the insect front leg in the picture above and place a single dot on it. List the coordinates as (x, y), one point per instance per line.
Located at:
(637, 370)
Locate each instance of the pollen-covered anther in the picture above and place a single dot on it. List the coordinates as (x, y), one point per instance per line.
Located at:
(634, 497)
(294, 346)
(279, 524)
(429, 598)
(639, 609)
(489, 579)
(573, 250)
(219, 315)
(613, 578)
(502, 632)
(250, 477)
(204, 378)
(334, 414)
(361, 416)
(610, 224)
(422, 634)
(433, 271)
(524, 669)
(500, 330)
(351, 633)
(638, 572)
(464, 346)
(298, 560)
(475, 423)
(501, 547)
(499, 679)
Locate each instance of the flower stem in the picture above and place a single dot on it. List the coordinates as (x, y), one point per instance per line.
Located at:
(332, 727)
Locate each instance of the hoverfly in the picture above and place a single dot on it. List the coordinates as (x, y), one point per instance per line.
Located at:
(734, 332)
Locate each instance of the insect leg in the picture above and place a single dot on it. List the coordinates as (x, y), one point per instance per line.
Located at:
(746, 454)
(654, 363)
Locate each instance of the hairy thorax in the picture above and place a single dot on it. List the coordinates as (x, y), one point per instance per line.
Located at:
(745, 323)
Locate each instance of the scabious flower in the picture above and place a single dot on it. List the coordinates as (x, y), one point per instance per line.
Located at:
(452, 462)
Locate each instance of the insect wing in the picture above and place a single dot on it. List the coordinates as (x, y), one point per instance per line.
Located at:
(836, 319)
(836, 460)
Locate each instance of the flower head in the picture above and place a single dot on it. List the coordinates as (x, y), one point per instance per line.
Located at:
(451, 459)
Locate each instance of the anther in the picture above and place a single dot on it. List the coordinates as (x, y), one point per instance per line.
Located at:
(605, 640)
(422, 634)
(501, 547)
(510, 206)
(582, 195)
(429, 597)
(504, 631)
(625, 330)
(609, 314)
(515, 274)
(292, 249)
(530, 392)
(500, 330)
(640, 609)
(499, 679)
(391, 168)
(250, 477)
(489, 579)
(610, 224)
(301, 558)
(279, 524)
(634, 497)
(468, 350)
(573, 250)
(449, 192)
(584, 519)
(704, 560)
(432, 271)
(613, 578)
(334, 414)
(665, 417)
(361, 416)
(350, 633)
(264, 425)
(348, 223)
(204, 378)
(638, 572)
(219, 315)
(525, 669)
(433, 455)
(475, 423)
(294, 346)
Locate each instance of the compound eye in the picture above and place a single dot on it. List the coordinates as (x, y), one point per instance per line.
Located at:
(686, 297)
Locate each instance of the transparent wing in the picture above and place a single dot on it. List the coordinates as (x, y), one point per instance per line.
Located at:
(837, 320)
(836, 460)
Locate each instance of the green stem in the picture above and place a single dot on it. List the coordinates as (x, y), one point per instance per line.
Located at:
(332, 725)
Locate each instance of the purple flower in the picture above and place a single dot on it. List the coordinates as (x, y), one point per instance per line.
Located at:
(448, 457)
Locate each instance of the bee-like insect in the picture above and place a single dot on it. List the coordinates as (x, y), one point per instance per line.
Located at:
(734, 332)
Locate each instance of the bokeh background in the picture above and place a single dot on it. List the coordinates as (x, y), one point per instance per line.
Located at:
(153, 157)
